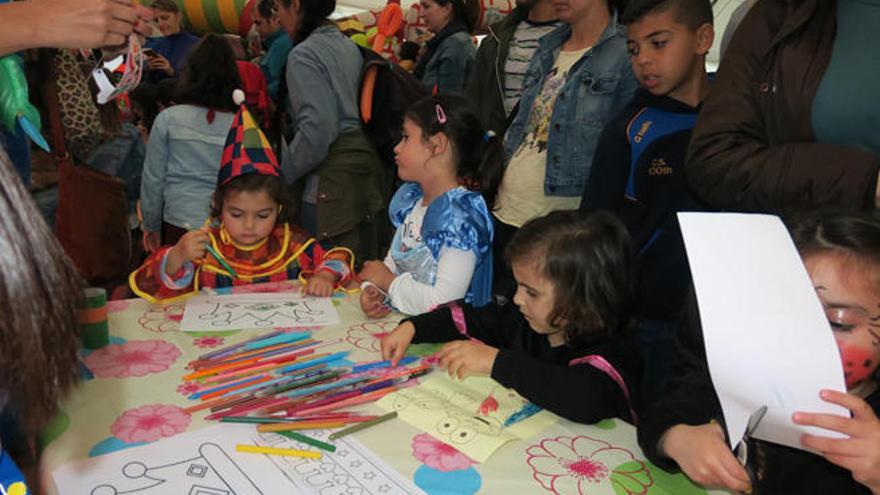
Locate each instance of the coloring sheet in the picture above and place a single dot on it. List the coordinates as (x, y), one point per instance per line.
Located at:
(204, 462)
(768, 342)
(468, 414)
(253, 311)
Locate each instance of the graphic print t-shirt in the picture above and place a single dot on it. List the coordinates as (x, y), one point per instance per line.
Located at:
(521, 195)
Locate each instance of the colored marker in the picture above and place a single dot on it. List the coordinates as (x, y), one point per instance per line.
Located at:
(220, 260)
(524, 412)
(382, 364)
(308, 440)
(257, 449)
(363, 426)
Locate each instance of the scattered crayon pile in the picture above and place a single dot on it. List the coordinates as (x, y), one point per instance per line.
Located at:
(281, 382)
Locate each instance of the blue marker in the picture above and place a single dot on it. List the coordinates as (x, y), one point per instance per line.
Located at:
(383, 364)
(525, 412)
(284, 338)
(309, 364)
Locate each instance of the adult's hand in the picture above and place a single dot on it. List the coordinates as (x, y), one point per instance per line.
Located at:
(69, 23)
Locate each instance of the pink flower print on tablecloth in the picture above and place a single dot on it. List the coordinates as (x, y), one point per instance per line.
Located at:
(118, 305)
(208, 342)
(587, 466)
(133, 358)
(368, 336)
(150, 423)
(188, 388)
(436, 454)
(162, 318)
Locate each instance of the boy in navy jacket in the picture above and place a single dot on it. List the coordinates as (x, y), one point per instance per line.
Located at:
(639, 164)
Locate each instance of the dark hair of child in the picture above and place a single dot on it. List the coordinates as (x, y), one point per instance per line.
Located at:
(409, 50)
(210, 75)
(144, 98)
(165, 6)
(857, 235)
(165, 92)
(266, 9)
(313, 14)
(590, 261)
(463, 11)
(274, 187)
(40, 292)
(480, 156)
(691, 13)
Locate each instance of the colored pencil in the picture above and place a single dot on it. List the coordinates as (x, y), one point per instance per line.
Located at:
(308, 440)
(354, 401)
(302, 425)
(257, 449)
(362, 426)
(233, 347)
(220, 260)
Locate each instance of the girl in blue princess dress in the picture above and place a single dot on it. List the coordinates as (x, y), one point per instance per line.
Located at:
(442, 249)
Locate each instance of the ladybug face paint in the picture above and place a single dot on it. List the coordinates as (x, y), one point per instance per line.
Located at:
(851, 298)
(858, 364)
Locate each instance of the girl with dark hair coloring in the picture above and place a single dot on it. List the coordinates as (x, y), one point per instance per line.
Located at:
(446, 65)
(40, 292)
(683, 429)
(250, 239)
(186, 142)
(442, 250)
(167, 54)
(346, 184)
(565, 344)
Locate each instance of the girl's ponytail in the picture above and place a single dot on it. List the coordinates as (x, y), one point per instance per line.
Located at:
(491, 167)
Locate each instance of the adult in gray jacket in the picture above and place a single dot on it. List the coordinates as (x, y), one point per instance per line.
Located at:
(346, 189)
(499, 71)
(446, 64)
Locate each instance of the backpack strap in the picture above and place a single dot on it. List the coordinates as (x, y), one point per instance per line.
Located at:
(602, 364)
(648, 125)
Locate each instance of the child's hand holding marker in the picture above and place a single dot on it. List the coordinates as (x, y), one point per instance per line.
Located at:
(192, 246)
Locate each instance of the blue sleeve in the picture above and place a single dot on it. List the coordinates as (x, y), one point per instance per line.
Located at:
(403, 202)
(460, 220)
(153, 177)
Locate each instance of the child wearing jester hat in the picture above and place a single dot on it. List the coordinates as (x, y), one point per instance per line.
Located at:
(246, 240)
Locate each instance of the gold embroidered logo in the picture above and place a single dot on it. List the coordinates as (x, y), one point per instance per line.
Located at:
(659, 167)
(644, 130)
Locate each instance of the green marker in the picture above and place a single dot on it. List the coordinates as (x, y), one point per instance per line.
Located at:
(222, 262)
(362, 426)
(308, 440)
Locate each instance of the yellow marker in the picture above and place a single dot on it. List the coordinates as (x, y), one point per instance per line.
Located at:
(256, 449)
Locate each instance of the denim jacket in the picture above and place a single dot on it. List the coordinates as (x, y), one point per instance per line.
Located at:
(450, 66)
(598, 87)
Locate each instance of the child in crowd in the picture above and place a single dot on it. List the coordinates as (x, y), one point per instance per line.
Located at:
(564, 345)
(40, 292)
(249, 241)
(442, 249)
(842, 256)
(638, 168)
(186, 143)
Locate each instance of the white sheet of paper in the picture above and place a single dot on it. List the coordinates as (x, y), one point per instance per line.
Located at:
(767, 339)
(205, 461)
(252, 311)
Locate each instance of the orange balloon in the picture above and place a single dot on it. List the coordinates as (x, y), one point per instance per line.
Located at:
(390, 22)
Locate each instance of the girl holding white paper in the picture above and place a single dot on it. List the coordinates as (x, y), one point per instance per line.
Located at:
(842, 256)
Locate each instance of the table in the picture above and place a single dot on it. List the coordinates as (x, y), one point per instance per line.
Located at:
(134, 395)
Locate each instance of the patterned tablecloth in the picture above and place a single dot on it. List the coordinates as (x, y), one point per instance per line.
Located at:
(133, 395)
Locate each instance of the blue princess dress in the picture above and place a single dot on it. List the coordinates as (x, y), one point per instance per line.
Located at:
(459, 219)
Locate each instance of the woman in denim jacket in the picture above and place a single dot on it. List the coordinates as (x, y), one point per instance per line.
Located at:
(446, 64)
(578, 79)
